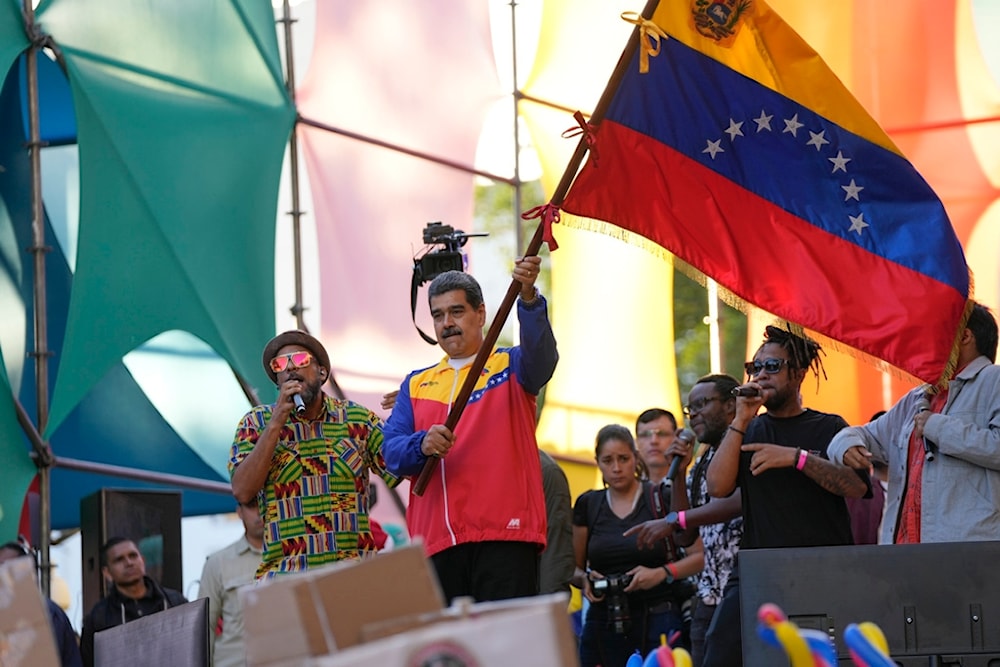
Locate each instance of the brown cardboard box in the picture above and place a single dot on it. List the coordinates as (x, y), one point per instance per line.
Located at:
(292, 617)
(345, 598)
(25, 634)
(526, 631)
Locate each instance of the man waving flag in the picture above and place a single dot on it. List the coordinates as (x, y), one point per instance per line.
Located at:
(741, 153)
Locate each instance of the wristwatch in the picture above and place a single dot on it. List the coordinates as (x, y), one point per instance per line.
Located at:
(672, 518)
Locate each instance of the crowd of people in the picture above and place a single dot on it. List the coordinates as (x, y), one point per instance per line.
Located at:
(653, 553)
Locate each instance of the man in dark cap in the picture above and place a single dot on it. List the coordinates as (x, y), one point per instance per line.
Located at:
(306, 460)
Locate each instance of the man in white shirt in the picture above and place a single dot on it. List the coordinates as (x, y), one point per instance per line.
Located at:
(226, 571)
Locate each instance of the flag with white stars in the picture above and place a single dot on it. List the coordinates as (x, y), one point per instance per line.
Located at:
(741, 153)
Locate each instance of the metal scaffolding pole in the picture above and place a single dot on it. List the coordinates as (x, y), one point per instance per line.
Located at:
(298, 309)
(518, 231)
(38, 250)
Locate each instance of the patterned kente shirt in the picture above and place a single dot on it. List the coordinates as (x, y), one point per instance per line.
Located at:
(721, 541)
(315, 500)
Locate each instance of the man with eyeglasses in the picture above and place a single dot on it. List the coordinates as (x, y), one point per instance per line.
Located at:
(224, 573)
(306, 460)
(719, 522)
(655, 431)
(792, 496)
(482, 514)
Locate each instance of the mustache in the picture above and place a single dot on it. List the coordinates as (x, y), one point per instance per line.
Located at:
(451, 331)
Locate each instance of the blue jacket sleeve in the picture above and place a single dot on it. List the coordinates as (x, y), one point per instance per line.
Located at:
(535, 358)
(401, 446)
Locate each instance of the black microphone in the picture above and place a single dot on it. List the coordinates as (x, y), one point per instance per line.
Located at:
(923, 405)
(686, 436)
(300, 406)
(746, 391)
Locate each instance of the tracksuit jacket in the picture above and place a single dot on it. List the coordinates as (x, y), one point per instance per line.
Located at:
(489, 486)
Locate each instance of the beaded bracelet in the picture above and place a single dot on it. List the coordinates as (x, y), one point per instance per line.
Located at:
(733, 428)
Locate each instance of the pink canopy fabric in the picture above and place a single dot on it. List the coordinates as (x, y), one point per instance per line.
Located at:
(408, 76)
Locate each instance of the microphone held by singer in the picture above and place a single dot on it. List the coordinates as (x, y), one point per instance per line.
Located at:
(300, 406)
(746, 391)
(686, 436)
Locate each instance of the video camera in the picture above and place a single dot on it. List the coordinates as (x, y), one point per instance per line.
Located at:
(442, 253)
(612, 588)
(449, 257)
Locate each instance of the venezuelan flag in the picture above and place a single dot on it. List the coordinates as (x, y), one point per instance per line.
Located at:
(741, 153)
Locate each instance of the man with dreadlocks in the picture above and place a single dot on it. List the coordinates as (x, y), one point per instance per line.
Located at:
(792, 495)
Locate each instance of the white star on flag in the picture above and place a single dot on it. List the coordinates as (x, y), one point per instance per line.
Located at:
(818, 139)
(852, 189)
(857, 223)
(792, 125)
(763, 121)
(713, 148)
(839, 162)
(734, 129)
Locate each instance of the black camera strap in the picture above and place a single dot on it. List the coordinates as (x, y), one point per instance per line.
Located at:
(414, 284)
(660, 508)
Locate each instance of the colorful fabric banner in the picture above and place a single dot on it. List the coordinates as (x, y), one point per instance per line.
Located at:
(744, 155)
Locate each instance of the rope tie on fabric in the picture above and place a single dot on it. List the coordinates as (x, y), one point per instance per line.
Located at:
(588, 130)
(549, 213)
(649, 38)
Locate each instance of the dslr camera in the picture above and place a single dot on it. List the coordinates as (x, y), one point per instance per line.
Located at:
(612, 590)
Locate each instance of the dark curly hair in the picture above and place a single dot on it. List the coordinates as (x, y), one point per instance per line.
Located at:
(803, 352)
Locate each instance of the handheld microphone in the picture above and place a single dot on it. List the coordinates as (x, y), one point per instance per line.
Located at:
(300, 406)
(746, 391)
(686, 436)
(923, 405)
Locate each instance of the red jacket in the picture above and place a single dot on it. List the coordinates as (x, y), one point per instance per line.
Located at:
(489, 486)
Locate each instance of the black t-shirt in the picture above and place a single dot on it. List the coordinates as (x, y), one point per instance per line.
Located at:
(784, 507)
(608, 551)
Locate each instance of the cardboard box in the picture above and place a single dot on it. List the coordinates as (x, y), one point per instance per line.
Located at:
(26, 638)
(525, 631)
(295, 616)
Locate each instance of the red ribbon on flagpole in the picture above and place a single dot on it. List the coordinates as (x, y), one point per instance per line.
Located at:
(588, 130)
(549, 213)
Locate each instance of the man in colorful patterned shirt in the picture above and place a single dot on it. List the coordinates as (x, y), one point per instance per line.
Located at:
(306, 459)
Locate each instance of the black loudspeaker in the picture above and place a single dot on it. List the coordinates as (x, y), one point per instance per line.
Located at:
(937, 604)
(152, 519)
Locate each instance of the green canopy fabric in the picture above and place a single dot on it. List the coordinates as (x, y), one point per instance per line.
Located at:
(12, 38)
(18, 469)
(182, 120)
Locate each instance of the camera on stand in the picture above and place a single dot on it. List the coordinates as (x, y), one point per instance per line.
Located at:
(612, 590)
(442, 252)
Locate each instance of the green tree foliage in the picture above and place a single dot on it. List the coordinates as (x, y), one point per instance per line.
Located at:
(691, 334)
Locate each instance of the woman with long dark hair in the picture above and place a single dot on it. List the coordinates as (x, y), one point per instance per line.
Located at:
(636, 595)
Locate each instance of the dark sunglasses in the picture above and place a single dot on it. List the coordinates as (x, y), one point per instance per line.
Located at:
(772, 366)
(292, 359)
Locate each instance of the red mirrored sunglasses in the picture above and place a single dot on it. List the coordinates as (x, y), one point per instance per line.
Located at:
(292, 359)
